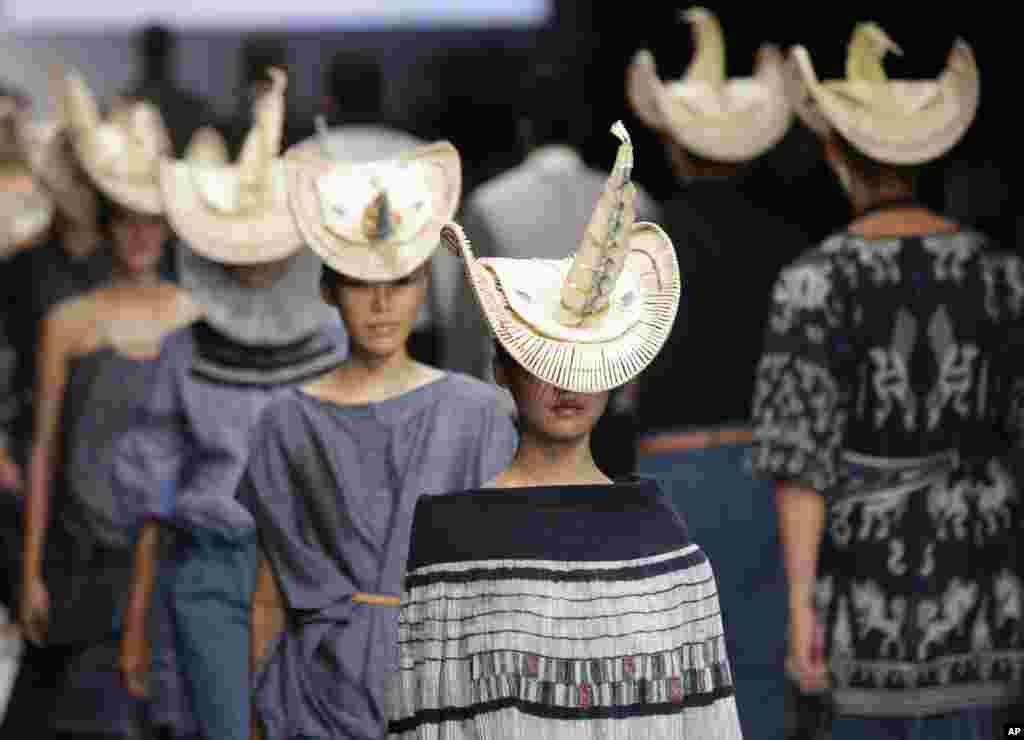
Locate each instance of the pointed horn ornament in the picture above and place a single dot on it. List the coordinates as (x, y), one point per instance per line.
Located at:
(77, 105)
(207, 147)
(867, 49)
(708, 64)
(263, 142)
(322, 136)
(602, 254)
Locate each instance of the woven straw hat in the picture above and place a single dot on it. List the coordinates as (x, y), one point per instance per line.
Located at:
(235, 213)
(723, 120)
(900, 122)
(592, 321)
(122, 153)
(375, 221)
(26, 207)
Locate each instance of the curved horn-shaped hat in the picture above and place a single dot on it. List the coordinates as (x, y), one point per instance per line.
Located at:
(713, 117)
(901, 122)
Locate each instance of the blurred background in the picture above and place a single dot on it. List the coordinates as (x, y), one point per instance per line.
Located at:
(456, 69)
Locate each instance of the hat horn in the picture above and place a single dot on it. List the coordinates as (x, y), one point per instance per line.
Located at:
(602, 254)
(207, 147)
(864, 54)
(75, 100)
(708, 64)
(263, 142)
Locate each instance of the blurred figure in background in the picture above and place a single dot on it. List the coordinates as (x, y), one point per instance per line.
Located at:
(96, 354)
(70, 260)
(357, 130)
(887, 399)
(729, 245)
(184, 111)
(548, 198)
(264, 328)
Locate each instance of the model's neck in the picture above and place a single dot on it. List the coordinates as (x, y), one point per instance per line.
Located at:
(121, 277)
(364, 366)
(79, 242)
(542, 461)
(865, 198)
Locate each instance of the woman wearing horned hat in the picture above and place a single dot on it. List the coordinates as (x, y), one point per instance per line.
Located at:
(263, 329)
(97, 352)
(887, 395)
(337, 465)
(564, 605)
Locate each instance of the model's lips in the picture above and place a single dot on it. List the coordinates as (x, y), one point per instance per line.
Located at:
(568, 406)
(382, 328)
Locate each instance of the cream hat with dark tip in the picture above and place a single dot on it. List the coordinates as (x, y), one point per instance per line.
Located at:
(591, 321)
(900, 122)
(723, 120)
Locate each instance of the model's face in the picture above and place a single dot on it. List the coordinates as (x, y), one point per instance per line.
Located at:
(138, 240)
(549, 412)
(379, 317)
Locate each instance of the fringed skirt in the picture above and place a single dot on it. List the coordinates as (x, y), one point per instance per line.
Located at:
(573, 612)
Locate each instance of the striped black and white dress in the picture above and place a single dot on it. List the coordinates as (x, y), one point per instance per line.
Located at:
(559, 612)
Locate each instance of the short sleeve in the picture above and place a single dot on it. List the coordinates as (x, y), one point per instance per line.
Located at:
(799, 397)
(274, 490)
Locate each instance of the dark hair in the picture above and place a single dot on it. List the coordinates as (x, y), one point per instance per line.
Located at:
(330, 279)
(501, 355)
(355, 81)
(551, 103)
(875, 171)
(106, 211)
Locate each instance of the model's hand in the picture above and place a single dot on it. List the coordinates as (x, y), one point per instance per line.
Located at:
(805, 660)
(10, 472)
(34, 610)
(135, 662)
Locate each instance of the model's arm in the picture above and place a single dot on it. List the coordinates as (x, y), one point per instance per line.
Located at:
(55, 347)
(801, 523)
(135, 652)
(268, 620)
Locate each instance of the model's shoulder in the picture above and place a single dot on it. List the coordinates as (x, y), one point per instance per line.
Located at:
(471, 391)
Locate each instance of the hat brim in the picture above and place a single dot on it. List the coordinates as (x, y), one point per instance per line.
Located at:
(267, 235)
(372, 262)
(916, 138)
(139, 196)
(575, 366)
(285, 312)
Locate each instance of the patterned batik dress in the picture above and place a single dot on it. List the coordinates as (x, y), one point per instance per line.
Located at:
(559, 612)
(890, 383)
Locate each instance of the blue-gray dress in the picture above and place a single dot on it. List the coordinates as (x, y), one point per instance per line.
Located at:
(332, 489)
(88, 555)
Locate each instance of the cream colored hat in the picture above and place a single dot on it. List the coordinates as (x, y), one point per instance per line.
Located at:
(237, 213)
(901, 122)
(718, 119)
(26, 207)
(589, 322)
(375, 221)
(122, 153)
